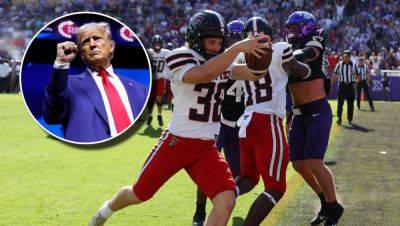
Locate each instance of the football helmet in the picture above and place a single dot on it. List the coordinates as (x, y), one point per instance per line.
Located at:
(300, 24)
(170, 46)
(156, 42)
(206, 24)
(235, 29)
(257, 25)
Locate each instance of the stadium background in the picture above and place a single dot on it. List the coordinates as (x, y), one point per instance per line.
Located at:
(45, 182)
(365, 26)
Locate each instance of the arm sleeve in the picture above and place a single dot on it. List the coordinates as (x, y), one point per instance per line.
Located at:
(315, 43)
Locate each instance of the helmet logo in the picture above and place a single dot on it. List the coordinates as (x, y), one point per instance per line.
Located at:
(198, 19)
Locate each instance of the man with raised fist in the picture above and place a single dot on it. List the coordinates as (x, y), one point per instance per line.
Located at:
(97, 104)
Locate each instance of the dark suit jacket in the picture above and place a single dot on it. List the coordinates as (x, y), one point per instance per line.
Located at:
(75, 102)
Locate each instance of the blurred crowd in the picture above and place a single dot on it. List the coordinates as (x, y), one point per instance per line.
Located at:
(368, 27)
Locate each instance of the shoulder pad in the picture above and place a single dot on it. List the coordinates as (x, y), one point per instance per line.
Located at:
(318, 39)
(283, 50)
(177, 58)
(166, 51)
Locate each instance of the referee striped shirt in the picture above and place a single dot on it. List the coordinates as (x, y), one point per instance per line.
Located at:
(362, 71)
(346, 72)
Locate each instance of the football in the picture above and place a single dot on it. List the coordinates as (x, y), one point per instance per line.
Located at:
(259, 66)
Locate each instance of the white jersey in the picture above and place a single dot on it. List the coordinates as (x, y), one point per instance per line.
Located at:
(197, 107)
(268, 95)
(376, 61)
(158, 66)
(240, 59)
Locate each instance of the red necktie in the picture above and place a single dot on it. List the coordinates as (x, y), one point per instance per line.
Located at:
(118, 110)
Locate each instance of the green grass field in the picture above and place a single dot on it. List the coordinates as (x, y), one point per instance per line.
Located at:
(44, 181)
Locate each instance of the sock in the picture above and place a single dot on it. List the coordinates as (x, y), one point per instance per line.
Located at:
(331, 204)
(105, 210)
(237, 191)
(260, 209)
(322, 198)
(200, 210)
(272, 199)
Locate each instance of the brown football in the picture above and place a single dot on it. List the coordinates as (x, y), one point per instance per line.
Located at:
(259, 66)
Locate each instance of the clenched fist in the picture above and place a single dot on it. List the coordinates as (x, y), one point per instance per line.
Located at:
(66, 52)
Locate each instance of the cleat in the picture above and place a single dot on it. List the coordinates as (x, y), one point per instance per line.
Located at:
(160, 121)
(320, 218)
(198, 223)
(199, 219)
(97, 220)
(333, 215)
(339, 121)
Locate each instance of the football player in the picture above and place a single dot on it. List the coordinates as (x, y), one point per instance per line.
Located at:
(232, 108)
(263, 148)
(311, 123)
(199, 72)
(170, 46)
(160, 76)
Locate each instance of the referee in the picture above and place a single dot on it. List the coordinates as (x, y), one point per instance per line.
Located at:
(363, 84)
(345, 72)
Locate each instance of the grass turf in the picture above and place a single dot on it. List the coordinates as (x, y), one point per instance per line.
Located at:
(366, 172)
(47, 182)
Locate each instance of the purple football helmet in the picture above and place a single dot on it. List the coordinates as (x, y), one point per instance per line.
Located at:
(235, 29)
(299, 25)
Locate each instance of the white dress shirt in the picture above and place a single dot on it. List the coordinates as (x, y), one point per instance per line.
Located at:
(114, 79)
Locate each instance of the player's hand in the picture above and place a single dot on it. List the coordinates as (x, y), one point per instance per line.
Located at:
(66, 52)
(254, 45)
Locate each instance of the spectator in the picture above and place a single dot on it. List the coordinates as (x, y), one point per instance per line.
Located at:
(375, 62)
(354, 57)
(14, 77)
(362, 25)
(392, 60)
(5, 70)
(333, 59)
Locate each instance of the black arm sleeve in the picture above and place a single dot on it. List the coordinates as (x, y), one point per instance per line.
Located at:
(304, 54)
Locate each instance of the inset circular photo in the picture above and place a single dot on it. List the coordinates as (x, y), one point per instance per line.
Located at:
(85, 78)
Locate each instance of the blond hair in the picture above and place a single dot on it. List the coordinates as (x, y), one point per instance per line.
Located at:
(89, 26)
